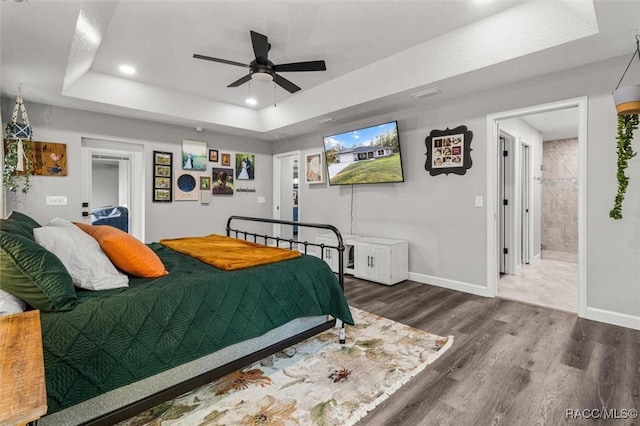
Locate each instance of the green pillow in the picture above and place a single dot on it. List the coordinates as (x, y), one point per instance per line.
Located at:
(35, 275)
(19, 223)
(17, 228)
(21, 217)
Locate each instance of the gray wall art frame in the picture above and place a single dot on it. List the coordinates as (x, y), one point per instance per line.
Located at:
(448, 151)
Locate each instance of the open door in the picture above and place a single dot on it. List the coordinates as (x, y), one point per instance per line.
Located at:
(285, 192)
(505, 206)
(525, 208)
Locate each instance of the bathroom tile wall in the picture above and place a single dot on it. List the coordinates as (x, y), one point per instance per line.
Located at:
(560, 195)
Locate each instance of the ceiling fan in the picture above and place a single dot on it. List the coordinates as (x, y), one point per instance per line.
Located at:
(262, 69)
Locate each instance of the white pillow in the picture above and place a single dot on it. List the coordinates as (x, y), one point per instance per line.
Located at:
(9, 304)
(88, 265)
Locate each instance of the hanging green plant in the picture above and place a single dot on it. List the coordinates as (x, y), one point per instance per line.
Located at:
(12, 178)
(627, 124)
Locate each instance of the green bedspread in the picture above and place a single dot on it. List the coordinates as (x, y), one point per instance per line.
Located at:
(116, 337)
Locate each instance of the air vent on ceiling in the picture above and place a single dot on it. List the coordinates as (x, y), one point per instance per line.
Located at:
(425, 93)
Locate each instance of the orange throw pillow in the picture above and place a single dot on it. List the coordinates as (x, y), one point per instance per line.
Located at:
(126, 252)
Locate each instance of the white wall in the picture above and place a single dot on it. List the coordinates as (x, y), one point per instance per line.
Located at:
(447, 234)
(162, 220)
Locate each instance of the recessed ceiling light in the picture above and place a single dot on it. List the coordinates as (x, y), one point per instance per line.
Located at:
(127, 69)
(251, 101)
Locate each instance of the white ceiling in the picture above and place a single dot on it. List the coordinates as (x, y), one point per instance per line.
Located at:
(555, 125)
(377, 53)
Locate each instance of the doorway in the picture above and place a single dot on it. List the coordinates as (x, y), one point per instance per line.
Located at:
(526, 273)
(286, 196)
(113, 176)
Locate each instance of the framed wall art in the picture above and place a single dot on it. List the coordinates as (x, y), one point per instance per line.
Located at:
(205, 189)
(245, 166)
(162, 176)
(187, 186)
(222, 181)
(225, 159)
(313, 169)
(48, 159)
(448, 151)
(194, 155)
(213, 155)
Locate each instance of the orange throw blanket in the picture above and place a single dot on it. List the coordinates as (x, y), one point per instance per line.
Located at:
(228, 253)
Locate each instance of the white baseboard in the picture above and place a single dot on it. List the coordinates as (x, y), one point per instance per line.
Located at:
(450, 284)
(615, 318)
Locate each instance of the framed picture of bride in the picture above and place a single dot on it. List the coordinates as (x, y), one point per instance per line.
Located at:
(245, 166)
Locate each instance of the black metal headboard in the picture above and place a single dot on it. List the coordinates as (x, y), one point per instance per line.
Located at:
(293, 244)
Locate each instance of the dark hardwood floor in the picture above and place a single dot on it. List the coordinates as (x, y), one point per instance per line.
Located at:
(510, 364)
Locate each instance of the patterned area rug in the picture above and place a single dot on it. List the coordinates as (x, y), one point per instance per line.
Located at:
(316, 382)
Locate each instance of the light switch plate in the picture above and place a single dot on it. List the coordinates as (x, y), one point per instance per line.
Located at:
(57, 200)
(479, 201)
(261, 200)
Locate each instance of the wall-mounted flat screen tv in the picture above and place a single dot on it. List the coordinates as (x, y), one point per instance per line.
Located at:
(368, 155)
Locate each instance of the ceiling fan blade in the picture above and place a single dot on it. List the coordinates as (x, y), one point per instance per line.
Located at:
(222, 61)
(285, 84)
(260, 47)
(301, 66)
(240, 81)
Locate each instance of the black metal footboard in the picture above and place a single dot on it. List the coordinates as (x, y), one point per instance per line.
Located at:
(302, 246)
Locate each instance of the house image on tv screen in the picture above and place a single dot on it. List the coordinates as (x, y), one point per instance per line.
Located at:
(367, 155)
(363, 153)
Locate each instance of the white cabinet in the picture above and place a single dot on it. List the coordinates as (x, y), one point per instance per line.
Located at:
(330, 255)
(381, 260)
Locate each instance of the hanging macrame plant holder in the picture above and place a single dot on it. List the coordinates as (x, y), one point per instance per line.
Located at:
(18, 131)
(17, 168)
(627, 98)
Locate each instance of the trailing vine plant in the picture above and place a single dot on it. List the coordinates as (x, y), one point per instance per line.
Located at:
(627, 124)
(12, 179)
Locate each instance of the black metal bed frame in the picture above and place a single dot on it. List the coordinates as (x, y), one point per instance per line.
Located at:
(292, 243)
(172, 392)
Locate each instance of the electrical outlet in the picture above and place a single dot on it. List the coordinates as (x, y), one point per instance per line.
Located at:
(261, 200)
(57, 200)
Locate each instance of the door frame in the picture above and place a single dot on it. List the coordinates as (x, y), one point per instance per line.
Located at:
(492, 189)
(508, 229)
(277, 183)
(136, 177)
(526, 202)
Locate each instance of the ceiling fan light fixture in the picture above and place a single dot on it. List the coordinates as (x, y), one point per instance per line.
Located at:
(251, 101)
(263, 77)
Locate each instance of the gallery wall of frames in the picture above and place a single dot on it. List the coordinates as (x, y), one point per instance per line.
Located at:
(202, 172)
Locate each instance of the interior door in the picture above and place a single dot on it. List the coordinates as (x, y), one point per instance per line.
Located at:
(525, 212)
(503, 204)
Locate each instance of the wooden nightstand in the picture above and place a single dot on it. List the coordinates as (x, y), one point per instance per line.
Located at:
(23, 396)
